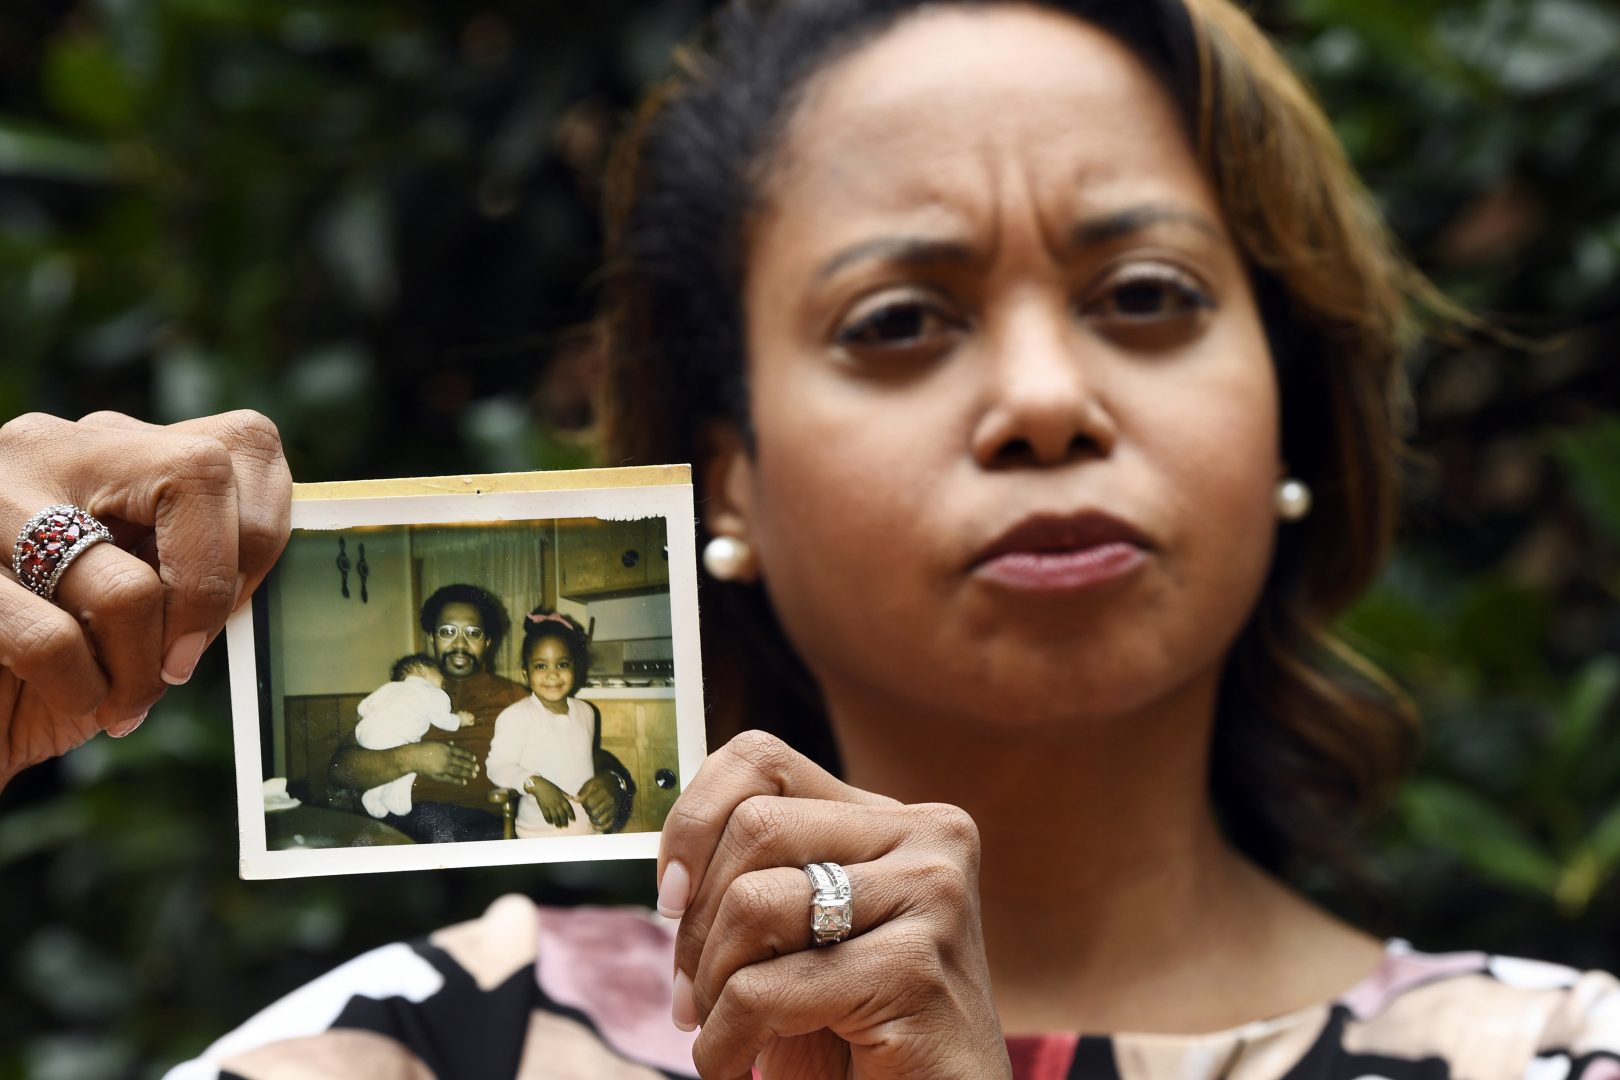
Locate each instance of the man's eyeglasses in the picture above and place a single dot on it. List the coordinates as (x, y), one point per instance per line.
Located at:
(447, 633)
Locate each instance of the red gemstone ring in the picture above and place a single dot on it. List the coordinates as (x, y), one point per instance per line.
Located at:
(48, 544)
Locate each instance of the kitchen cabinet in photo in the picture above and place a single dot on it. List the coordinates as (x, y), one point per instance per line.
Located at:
(603, 558)
(640, 732)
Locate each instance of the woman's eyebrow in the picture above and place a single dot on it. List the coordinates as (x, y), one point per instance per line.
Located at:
(1096, 231)
(901, 250)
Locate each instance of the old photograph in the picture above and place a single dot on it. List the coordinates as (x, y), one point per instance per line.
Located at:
(438, 676)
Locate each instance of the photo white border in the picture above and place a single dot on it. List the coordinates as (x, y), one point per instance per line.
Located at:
(609, 494)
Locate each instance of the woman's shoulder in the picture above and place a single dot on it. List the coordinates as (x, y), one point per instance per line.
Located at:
(520, 991)
(1466, 1014)
(1486, 1015)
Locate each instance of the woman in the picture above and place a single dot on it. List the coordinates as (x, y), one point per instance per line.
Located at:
(1040, 369)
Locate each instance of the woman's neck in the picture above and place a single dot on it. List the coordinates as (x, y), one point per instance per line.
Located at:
(1110, 899)
(559, 707)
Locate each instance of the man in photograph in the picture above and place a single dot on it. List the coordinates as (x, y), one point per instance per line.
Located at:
(450, 796)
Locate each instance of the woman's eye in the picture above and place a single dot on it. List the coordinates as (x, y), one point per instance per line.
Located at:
(897, 325)
(1149, 295)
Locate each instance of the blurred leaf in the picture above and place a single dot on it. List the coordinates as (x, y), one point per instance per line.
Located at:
(1457, 820)
(500, 429)
(122, 339)
(1590, 697)
(32, 829)
(85, 84)
(355, 239)
(79, 981)
(1592, 455)
(1592, 865)
(1536, 48)
(189, 383)
(1397, 629)
(46, 155)
(78, 1057)
(330, 378)
(1604, 839)
(1501, 627)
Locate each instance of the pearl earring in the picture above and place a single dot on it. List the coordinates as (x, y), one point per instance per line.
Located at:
(1293, 499)
(727, 558)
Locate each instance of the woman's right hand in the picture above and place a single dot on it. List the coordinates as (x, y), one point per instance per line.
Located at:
(553, 801)
(907, 995)
(199, 512)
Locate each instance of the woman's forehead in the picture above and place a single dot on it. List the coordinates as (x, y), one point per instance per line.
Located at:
(952, 106)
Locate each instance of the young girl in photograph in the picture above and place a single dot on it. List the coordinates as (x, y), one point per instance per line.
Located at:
(542, 745)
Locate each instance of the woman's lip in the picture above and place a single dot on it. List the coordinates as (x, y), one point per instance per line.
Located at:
(1050, 533)
(1063, 571)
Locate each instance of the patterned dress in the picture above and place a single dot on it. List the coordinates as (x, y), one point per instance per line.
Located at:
(559, 994)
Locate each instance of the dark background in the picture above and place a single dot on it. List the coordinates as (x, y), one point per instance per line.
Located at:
(374, 220)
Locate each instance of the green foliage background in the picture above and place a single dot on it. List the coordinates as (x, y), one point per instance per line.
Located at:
(374, 220)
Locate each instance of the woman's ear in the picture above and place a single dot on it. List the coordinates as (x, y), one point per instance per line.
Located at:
(726, 477)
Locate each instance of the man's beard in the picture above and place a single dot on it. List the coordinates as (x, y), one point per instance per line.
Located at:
(471, 667)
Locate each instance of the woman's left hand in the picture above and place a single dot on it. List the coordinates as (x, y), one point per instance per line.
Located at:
(198, 512)
(906, 995)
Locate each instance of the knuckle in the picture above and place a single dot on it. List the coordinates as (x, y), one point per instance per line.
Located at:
(51, 641)
(749, 903)
(193, 466)
(758, 751)
(203, 460)
(263, 531)
(758, 824)
(912, 949)
(252, 433)
(129, 590)
(754, 992)
(212, 590)
(946, 882)
(687, 817)
(954, 825)
(107, 418)
(714, 1055)
(31, 428)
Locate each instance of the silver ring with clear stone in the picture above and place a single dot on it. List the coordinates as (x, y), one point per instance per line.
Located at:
(48, 544)
(832, 911)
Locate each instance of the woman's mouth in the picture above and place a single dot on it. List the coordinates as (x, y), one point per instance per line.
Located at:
(1052, 553)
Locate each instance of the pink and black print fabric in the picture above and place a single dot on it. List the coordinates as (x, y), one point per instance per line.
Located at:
(536, 993)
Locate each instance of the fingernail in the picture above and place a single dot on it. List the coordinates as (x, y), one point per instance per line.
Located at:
(241, 583)
(673, 891)
(183, 657)
(127, 726)
(684, 1009)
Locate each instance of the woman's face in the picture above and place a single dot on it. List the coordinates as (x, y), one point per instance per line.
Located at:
(1016, 419)
(551, 673)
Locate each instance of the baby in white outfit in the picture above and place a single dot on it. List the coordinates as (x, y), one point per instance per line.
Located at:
(398, 713)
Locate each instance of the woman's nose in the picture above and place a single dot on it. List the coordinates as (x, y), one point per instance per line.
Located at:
(1042, 403)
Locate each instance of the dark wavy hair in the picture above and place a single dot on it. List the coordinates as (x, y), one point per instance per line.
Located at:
(1309, 737)
(541, 623)
(491, 614)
